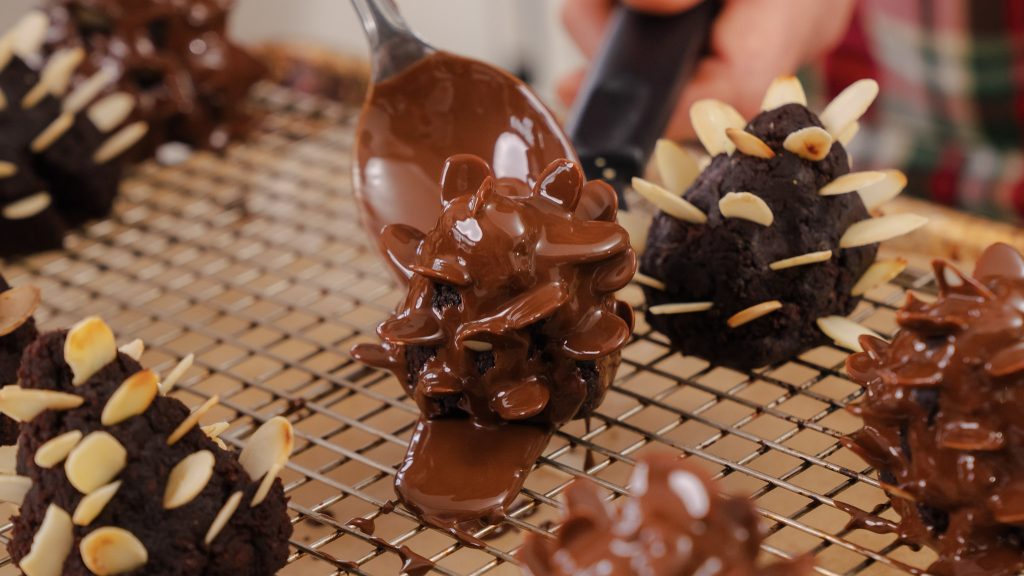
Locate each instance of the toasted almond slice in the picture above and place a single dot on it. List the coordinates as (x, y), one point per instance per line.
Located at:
(749, 144)
(27, 207)
(17, 306)
(133, 349)
(13, 488)
(92, 504)
(880, 229)
(109, 112)
(220, 444)
(117, 144)
(845, 332)
(7, 169)
(216, 429)
(24, 404)
(849, 105)
(111, 550)
(3, 99)
(271, 444)
(131, 398)
(710, 118)
(87, 91)
(674, 206)
(188, 478)
(56, 449)
(753, 313)
(784, 90)
(746, 206)
(802, 260)
(191, 421)
(9, 459)
(847, 134)
(265, 485)
(28, 34)
(89, 347)
(677, 167)
(851, 183)
(55, 77)
(877, 274)
(52, 133)
(222, 518)
(637, 225)
(95, 461)
(478, 346)
(51, 544)
(680, 308)
(889, 187)
(645, 280)
(811, 143)
(168, 384)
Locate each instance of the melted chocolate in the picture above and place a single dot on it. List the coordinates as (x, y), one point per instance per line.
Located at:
(942, 417)
(673, 524)
(441, 106)
(510, 329)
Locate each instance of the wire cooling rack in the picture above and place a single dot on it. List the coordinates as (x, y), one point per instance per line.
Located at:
(256, 263)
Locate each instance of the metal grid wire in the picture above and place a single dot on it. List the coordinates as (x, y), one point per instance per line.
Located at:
(257, 263)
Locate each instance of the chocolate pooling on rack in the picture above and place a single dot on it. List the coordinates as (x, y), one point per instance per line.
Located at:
(102, 491)
(673, 522)
(942, 416)
(17, 331)
(772, 244)
(509, 329)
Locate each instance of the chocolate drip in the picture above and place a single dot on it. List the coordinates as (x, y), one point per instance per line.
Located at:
(942, 417)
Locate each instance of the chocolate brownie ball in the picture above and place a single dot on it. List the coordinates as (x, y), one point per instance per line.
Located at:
(771, 236)
(942, 410)
(119, 479)
(17, 331)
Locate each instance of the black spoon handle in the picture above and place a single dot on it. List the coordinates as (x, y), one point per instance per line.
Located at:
(631, 91)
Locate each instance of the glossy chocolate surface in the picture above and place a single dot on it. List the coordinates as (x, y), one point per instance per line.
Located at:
(673, 523)
(442, 106)
(942, 412)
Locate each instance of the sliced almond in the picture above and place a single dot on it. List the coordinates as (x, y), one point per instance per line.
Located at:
(637, 225)
(753, 313)
(677, 167)
(880, 229)
(669, 203)
(17, 306)
(811, 143)
(645, 280)
(478, 346)
(746, 206)
(55, 77)
(88, 90)
(188, 478)
(56, 449)
(802, 260)
(131, 398)
(749, 144)
(264, 488)
(112, 550)
(13, 488)
(90, 346)
(24, 404)
(680, 308)
(117, 144)
(92, 504)
(851, 183)
(7, 169)
(849, 105)
(112, 110)
(847, 134)
(133, 349)
(51, 544)
(27, 207)
(889, 187)
(95, 461)
(269, 446)
(877, 274)
(216, 429)
(844, 332)
(710, 118)
(9, 459)
(168, 383)
(3, 99)
(52, 133)
(29, 33)
(191, 421)
(784, 90)
(222, 517)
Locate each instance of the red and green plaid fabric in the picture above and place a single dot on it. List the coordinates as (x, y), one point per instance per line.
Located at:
(951, 109)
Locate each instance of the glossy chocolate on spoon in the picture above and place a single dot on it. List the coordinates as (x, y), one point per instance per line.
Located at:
(438, 107)
(510, 328)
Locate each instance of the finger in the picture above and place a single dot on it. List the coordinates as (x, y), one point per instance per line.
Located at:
(710, 80)
(569, 86)
(586, 20)
(665, 7)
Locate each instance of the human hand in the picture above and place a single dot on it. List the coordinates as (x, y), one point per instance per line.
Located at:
(752, 43)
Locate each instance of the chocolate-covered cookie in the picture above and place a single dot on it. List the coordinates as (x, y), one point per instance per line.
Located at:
(17, 331)
(674, 523)
(114, 477)
(942, 409)
(773, 235)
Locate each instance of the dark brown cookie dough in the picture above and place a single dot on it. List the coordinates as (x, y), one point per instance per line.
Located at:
(17, 331)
